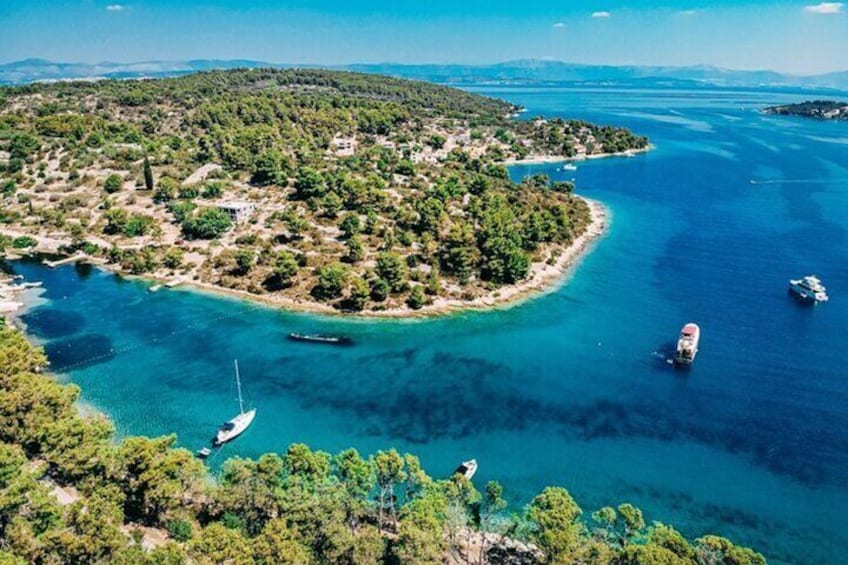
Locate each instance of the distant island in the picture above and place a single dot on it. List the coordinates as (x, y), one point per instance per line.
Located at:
(320, 190)
(819, 109)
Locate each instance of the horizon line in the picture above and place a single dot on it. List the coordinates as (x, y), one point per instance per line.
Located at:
(422, 64)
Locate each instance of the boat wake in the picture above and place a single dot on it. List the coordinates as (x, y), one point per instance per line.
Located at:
(797, 181)
(664, 357)
(664, 354)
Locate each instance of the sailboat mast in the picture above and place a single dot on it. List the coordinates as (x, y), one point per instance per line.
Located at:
(238, 385)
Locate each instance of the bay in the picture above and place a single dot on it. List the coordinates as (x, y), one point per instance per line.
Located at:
(571, 388)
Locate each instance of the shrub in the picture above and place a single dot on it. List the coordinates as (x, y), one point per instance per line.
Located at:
(392, 269)
(7, 188)
(285, 267)
(188, 192)
(181, 209)
(23, 146)
(380, 290)
(416, 298)
(331, 281)
(209, 223)
(113, 183)
(23, 242)
(179, 530)
(166, 190)
(173, 258)
(138, 225)
(213, 190)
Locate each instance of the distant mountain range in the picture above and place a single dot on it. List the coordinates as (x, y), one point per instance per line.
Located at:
(32, 70)
(530, 71)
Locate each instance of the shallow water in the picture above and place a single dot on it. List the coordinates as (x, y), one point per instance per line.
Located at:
(572, 388)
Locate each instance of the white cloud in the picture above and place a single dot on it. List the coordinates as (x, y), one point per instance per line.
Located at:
(602, 14)
(115, 8)
(825, 8)
(559, 25)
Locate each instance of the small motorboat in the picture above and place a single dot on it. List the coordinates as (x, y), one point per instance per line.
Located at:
(687, 345)
(569, 167)
(321, 338)
(467, 469)
(203, 453)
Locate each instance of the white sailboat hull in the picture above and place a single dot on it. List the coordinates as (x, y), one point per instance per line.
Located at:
(235, 427)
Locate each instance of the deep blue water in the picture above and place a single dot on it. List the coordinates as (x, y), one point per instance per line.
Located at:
(569, 389)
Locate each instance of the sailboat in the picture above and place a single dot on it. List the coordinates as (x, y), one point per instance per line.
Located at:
(236, 426)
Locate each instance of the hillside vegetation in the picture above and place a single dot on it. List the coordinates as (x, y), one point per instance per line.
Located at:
(369, 193)
(819, 109)
(70, 493)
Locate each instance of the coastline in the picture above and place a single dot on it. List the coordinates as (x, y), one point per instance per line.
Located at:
(544, 279)
(551, 159)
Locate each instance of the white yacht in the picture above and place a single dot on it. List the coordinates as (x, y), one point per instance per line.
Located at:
(687, 345)
(569, 167)
(808, 288)
(236, 426)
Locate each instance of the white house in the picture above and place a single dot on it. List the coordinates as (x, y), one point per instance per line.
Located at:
(238, 211)
(343, 146)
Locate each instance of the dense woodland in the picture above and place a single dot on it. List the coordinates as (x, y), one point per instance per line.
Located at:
(371, 193)
(70, 492)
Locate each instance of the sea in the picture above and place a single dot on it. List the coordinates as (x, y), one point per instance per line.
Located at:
(572, 388)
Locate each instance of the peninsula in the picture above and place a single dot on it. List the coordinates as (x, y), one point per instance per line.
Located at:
(320, 190)
(819, 109)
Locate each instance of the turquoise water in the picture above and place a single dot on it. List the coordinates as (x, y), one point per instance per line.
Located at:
(572, 388)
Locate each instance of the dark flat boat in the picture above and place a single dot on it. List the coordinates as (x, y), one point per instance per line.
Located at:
(321, 338)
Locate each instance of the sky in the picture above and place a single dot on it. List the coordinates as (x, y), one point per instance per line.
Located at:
(805, 37)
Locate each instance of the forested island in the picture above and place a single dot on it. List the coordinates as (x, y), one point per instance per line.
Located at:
(819, 109)
(71, 493)
(322, 190)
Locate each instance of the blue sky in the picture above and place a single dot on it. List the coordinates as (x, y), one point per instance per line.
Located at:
(800, 37)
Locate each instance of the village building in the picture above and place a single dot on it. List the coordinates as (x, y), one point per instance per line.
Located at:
(343, 146)
(238, 211)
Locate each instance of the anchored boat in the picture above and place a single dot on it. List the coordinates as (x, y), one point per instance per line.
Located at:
(687, 345)
(809, 289)
(467, 469)
(236, 426)
(321, 338)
